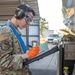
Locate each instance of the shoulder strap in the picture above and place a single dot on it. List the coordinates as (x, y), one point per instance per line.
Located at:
(18, 37)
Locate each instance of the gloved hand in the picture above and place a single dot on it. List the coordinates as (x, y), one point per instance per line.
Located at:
(33, 51)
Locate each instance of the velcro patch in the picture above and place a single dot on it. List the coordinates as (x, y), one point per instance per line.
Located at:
(3, 37)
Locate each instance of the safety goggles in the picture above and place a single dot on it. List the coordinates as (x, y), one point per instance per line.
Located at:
(28, 18)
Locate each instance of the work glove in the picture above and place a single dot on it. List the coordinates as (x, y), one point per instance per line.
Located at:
(33, 52)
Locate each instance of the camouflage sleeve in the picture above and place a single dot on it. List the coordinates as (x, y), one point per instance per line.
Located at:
(18, 62)
(7, 58)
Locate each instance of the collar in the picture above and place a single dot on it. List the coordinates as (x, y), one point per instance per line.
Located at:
(14, 27)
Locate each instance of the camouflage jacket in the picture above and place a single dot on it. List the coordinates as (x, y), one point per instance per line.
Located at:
(11, 62)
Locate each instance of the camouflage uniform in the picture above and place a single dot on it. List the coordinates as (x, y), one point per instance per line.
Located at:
(11, 62)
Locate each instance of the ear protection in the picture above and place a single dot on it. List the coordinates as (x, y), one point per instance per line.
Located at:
(19, 14)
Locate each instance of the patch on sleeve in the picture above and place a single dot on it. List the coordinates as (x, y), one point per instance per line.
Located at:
(5, 45)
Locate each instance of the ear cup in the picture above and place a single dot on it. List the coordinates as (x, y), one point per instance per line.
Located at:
(20, 14)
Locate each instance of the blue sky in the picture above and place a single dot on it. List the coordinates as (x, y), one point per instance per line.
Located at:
(51, 11)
